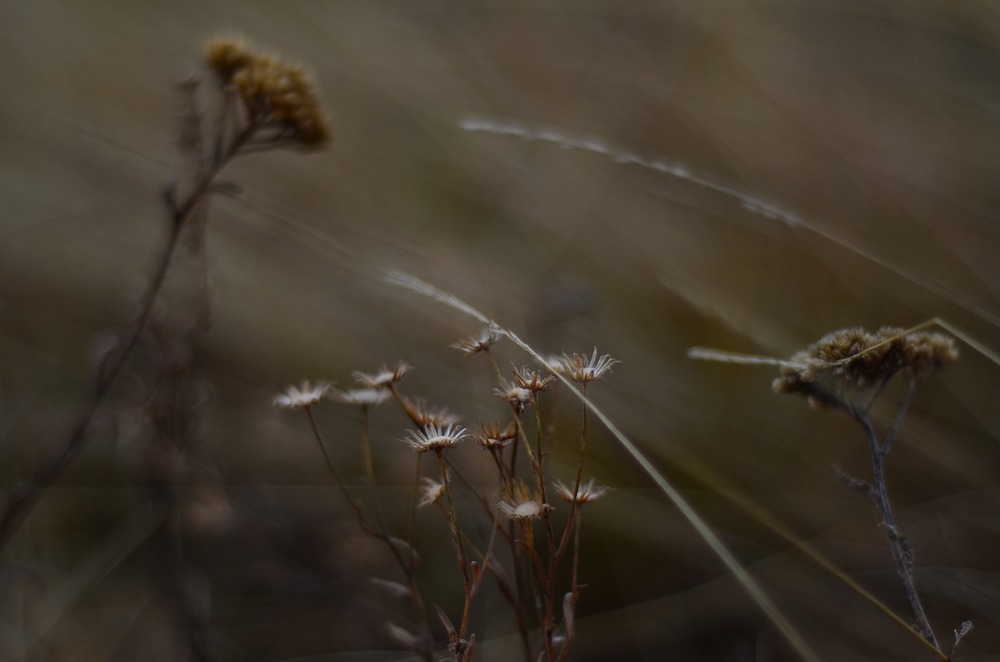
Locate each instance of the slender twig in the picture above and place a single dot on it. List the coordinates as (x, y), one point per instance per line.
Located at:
(902, 554)
(406, 566)
(459, 544)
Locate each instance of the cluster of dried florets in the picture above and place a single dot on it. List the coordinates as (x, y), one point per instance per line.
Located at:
(522, 497)
(853, 360)
(274, 93)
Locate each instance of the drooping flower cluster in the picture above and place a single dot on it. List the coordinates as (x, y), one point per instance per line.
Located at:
(275, 94)
(853, 360)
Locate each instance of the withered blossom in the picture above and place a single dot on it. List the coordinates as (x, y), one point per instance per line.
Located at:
(361, 397)
(303, 396)
(841, 365)
(423, 414)
(275, 95)
(532, 380)
(491, 435)
(583, 370)
(435, 438)
(384, 377)
(486, 339)
(586, 494)
(518, 397)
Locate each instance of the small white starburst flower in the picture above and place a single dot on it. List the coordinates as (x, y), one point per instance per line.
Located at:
(586, 493)
(518, 397)
(522, 505)
(581, 369)
(532, 379)
(434, 437)
(303, 396)
(384, 377)
(361, 397)
(554, 364)
(528, 509)
(492, 436)
(486, 339)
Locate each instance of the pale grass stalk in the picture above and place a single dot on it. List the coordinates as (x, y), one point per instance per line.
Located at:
(750, 202)
(720, 485)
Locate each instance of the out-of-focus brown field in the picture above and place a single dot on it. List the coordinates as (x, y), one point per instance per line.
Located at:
(875, 123)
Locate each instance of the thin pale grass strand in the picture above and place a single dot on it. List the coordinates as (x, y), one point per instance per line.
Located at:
(749, 202)
(761, 515)
(720, 356)
(753, 588)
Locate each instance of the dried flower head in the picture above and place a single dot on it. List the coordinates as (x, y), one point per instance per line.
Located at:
(384, 377)
(554, 364)
(226, 56)
(423, 414)
(583, 370)
(532, 380)
(852, 361)
(492, 436)
(361, 397)
(275, 95)
(303, 396)
(522, 506)
(430, 492)
(486, 339)
(518, 397)
(586, 493)
(434, 437)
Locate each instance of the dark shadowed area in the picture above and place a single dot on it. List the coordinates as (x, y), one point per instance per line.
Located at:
(640, 177)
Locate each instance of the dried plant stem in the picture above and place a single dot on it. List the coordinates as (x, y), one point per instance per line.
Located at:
(405, 566)
(370, 472)
(24, 497)
(459, 545)
(902, 554)
(341, 485)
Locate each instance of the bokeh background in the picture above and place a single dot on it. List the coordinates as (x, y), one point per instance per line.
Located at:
(874, 124)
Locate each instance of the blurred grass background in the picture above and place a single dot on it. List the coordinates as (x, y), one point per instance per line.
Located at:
(875, 122)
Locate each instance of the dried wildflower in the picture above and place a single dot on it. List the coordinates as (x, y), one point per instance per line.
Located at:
(586, 493)
(361, 397)
(554, 364)
(434, 437)
(523, 506)
(275, 95)
(850, 362)
(423, 414)
(581, 369)
(303, 396)
(486, 339)
(226, 56)
(518, 397)
(491, 436)
(430, 492)
(532, 380)
(383, 377)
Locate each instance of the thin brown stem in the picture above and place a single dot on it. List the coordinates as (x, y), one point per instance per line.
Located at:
(459, 544)
(899, 547)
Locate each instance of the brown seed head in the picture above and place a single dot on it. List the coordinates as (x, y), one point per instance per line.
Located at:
(275, 94)
(491, 435)
(532, 380)
(856, 360)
